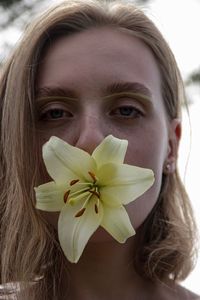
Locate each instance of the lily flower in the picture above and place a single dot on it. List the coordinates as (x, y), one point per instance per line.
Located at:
(90, 191)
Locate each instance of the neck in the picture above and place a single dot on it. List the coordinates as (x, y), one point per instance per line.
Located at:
(104, 271)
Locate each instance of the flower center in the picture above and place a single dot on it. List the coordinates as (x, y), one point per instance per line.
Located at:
(88, 190)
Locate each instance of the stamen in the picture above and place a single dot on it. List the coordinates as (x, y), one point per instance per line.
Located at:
(97, 194)
(74, 181)
(96, 209)
(66, 195)
(80, 191)
(92, 175)
(80, 212)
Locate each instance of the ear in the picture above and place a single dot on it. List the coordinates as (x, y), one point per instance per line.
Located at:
(173, 145)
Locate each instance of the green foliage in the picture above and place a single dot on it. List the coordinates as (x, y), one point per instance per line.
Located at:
(8, 3)
(194, 77)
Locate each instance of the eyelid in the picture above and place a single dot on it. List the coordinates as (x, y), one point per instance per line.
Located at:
(135, 110)
(45, 99)
(131, 103)
(45, 103)
(133, 95)
(50, 106)
(142, 100)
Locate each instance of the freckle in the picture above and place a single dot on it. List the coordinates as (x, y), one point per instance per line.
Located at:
(74, 181)
(66, 195)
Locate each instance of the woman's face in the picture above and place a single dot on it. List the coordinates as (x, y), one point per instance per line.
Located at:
(98, 70)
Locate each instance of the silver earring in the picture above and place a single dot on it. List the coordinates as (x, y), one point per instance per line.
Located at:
(167, 168)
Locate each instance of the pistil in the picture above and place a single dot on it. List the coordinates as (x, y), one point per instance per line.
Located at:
(88, 190)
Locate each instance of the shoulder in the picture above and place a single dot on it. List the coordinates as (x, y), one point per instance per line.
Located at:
(173, 291)
(185, 294)
(177, 292)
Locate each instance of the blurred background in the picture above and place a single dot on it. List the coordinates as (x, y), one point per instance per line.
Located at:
(179, 21)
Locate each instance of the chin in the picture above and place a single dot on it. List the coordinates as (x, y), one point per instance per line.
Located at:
(100, 236)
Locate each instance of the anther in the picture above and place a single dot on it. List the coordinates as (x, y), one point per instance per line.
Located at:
(92, 175)
(80, 212)
(66, 195)
(74, 181)
(96, 209)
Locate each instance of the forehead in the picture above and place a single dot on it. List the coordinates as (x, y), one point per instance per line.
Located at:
(95, 57)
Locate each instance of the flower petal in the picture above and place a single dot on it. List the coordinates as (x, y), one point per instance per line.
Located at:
(116, 221)
(110, 150)
(121, 184)
(49, 197)
(65, 162)
(74, 232)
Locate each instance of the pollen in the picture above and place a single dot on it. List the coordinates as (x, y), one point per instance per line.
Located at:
(92, 175)
(74, 181)
(66, 195)
(80, 212)
(96, 209)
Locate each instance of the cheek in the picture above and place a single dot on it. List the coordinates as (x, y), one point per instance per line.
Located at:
(147, 152)
(42, 138)
(147, 148)
(65, 133)
(139, 209)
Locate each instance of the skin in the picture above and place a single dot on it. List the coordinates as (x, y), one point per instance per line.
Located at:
(83, 66)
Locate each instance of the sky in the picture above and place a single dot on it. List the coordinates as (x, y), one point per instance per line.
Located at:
(179, 21)
(192, 176)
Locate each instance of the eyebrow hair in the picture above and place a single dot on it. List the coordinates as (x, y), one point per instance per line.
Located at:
(113, 88)
(54, 91)
(135, 87)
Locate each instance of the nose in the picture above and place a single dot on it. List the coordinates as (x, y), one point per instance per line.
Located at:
(91, 133)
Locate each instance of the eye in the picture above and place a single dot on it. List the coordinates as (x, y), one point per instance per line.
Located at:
(55, 114)
(127, 112)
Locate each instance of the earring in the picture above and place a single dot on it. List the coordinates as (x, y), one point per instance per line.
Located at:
(167, 168)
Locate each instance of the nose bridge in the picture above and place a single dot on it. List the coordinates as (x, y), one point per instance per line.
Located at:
(90, 123)
(91, 131)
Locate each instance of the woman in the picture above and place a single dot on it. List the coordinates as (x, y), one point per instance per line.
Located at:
(91, 51)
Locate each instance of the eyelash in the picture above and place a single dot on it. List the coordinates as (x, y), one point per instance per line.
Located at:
(130, 112)
(44, 115)
(134, 112)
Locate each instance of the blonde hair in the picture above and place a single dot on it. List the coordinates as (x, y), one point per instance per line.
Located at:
(28, 244)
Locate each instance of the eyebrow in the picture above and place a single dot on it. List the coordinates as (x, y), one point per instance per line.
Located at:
(113, 88)
(134, 87)
(46, 92)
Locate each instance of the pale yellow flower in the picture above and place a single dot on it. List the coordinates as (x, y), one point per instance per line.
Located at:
(90, 191)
